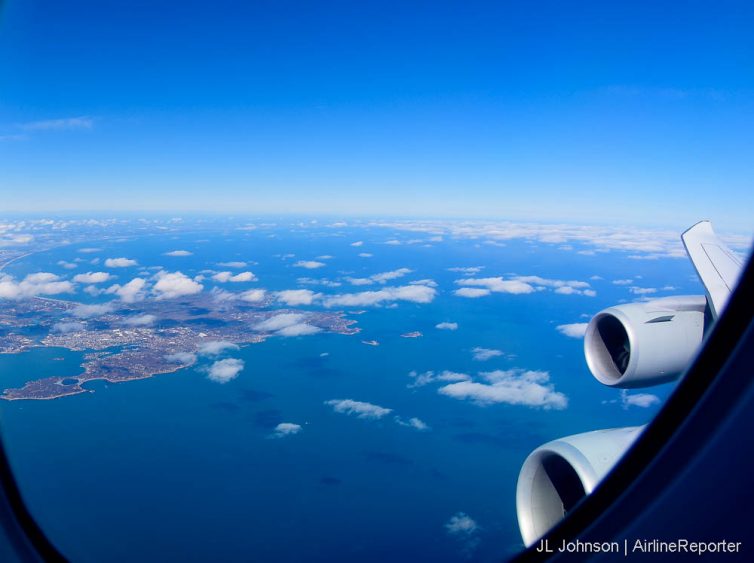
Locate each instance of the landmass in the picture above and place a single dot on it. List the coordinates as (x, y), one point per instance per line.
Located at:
(117, 351)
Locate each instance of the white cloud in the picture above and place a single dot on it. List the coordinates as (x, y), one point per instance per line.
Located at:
(174, 284)
(186, 358)
(447, 326)
(527, 284)
(358, 243)
(89, 311)
(643, 400)
(294, 297)
(286, 429)
(644, 243)
(358, 408)
(387, 276)
(514, 387)
(92, 277)
(13, 239)
(216, 347)
(119, 262)
(498, 285)
(89, 250)
(365, 254)
(68, 327)
(235, 265)
(421, 379)
(253, 295)
(471, 292)
(132, 292)
(179, 253)
(278, 322)
(623, 282)
(642, 290)
(484, 354)
(574, 330)
(461, 524)
(140, 320)
(67, 265)
(287, 324)
(412, 293)
(224, 277)
(381, 278)
(41, 283)
(309, 264)
(223, 371)
(300, 329)
(413, 422)
(318, 281)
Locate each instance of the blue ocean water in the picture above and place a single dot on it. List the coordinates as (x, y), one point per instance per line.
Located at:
(178, 467)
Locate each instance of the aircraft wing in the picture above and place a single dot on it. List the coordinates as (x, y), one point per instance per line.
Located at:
(717, 266)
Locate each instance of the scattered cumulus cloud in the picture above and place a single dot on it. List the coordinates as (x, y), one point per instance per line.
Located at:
(447, 326)
(140, 320)
(464, 529)
(642, 290)
(309, 264)
(358, 409)
(224, 277)
(216, 347)
(513, 387)
(427, 377)
(461, 523)
(90, 311)
(92, 277)
(41, 283)
(179, 253)
(132, 292)
(286, 429)
(642, 400)
(253, 295)
(574, 330)
(411, 293)
(68, 327)
(223, 371)
(381, 278)
(484, 354)
(119, 262)
(185, 358)
(234, 265)
(171, 285)
(294, 297)
(287, 324)
(472, 292)
(413, 422)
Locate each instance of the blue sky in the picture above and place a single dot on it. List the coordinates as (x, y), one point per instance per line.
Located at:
(635, 112)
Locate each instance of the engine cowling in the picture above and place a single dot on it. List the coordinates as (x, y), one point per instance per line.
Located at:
(558, 474)
(642, 344)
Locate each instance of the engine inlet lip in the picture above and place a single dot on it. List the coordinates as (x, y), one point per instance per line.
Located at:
(598, 358)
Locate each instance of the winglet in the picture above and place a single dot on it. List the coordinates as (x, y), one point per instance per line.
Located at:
(717, 266)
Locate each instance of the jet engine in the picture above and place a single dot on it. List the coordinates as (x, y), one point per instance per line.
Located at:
(558, 474)
(643, 344)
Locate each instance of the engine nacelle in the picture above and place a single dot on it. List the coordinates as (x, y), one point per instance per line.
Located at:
(558, 474)
(642, 344)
